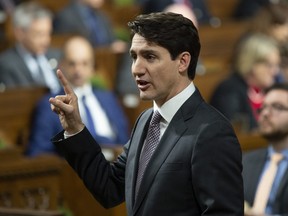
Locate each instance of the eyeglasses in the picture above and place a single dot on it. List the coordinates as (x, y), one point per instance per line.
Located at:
(273, 108)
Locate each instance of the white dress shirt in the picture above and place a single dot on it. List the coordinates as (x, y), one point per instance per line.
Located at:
(100, 119)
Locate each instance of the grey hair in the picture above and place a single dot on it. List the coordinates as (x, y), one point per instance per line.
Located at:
(25, 13)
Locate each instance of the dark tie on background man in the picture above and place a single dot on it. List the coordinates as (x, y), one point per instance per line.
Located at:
(90, 124)
(152, 140)
(40, 78)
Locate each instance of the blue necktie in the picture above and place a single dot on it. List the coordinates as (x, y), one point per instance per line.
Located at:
(90, 124)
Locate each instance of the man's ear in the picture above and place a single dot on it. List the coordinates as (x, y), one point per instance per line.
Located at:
(184, 58)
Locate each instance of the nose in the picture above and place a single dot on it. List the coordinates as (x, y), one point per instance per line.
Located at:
(137, 67)
(266, 110)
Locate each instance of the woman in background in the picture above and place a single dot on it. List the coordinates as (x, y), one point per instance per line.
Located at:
(255, 65)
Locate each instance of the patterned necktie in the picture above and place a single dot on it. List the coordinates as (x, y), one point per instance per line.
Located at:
(90, 123)
(265, 185)
(152, 140)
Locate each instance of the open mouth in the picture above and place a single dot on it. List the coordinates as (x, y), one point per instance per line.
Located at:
(143, 85)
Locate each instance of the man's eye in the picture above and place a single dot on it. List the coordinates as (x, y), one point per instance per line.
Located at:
(150, 57)
(133, 57)
(279, 107)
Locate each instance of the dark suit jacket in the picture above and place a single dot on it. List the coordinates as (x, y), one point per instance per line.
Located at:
(230, 97)
(15, 73)
(46, 124)
(195, 170)
(253, 163)
(70, 20)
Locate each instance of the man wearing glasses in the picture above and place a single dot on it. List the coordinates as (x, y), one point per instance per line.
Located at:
(265, 171)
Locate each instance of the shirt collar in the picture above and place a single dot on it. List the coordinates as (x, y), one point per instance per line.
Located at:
(271, 151)
(83, 90)
(170, 107)
(24, 52)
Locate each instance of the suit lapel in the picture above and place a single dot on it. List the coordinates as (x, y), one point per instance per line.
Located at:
(283, 184)
(171, 136)
(256, 167)
(137, 140)
(165, 146)
(25, 72)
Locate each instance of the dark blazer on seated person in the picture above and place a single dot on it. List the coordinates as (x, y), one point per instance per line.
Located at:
(197, 134)
(15, 73)
(253, 164)
(46, 124)
(72, 20)
(231, 98)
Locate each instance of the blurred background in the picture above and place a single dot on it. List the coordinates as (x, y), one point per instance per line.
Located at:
(45, 183)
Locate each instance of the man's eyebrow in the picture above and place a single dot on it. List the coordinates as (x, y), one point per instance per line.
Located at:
(145, 51)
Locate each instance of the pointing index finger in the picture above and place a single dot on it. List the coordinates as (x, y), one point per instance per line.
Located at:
(64, 82)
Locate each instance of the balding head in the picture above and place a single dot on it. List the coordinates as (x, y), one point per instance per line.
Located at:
(78, 61)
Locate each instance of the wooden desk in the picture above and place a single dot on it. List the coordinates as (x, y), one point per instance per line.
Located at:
(30, 183)
(47, 183)
(28, 212)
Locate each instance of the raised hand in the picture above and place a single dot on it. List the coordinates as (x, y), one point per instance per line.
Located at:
(66, 106)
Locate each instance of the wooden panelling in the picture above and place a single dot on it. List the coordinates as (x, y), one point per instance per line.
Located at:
(30, 184)
(47, 183)
(28, 212)
(16, 109)
(219, 42)
(222, 9)
(250, 142)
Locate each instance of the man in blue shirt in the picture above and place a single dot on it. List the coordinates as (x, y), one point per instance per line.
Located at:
(273, 126)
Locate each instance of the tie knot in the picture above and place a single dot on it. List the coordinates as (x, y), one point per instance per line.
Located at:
(35, 57)
(156, 118)
(276, 158)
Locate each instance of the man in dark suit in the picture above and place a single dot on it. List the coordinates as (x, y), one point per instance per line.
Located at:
(30, 62)
(86, 18)
(109, 123)
(273, 126)
(196, 165)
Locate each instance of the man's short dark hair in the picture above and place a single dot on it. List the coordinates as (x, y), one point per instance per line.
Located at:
(277, 86)
(172, 31)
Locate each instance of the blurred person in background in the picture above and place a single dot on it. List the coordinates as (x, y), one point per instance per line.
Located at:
(85, 17)
(273, 126)
(30, 62)
(198, 6)
(245, 9)
(272, 20)
(255, 65)
(109, 123)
